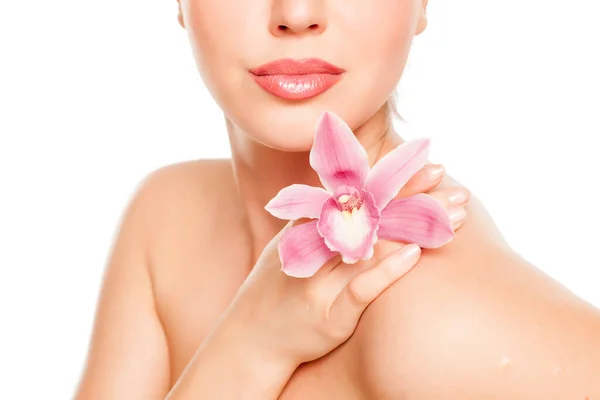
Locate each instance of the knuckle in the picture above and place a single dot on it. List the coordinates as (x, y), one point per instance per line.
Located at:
(356, 294)
(313, 296)
(339, 327)
(316, 305)
(338, 332)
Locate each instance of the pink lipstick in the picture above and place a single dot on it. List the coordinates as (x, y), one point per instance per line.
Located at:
(297, 79)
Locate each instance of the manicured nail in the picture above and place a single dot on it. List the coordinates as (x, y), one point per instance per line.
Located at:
(457, 214)
(403, 260)
(411, 252)
(459, 196)
(436, 171)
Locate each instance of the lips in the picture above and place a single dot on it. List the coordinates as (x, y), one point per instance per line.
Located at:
(297, 79)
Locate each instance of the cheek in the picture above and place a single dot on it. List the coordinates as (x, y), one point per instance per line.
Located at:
(220, 32)
(384, 33)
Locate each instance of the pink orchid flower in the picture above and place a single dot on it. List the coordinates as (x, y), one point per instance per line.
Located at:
(357, 206)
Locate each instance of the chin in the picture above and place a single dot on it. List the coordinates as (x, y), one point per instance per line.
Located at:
(290, 125)
(287, 127)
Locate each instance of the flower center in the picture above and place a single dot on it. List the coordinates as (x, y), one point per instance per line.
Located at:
(350, 203)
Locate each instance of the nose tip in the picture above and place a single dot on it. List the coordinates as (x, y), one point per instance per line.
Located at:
(287, 29)
(297, 17)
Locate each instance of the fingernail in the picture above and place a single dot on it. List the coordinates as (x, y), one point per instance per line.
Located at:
(459, 196)
(436, 171)
(457, 214)
(411, 252)
(404, 260)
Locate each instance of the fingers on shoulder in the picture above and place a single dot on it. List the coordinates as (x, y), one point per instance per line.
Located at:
(368, 285)
(424, 180)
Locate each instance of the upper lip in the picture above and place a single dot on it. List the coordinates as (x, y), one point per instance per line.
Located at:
(288, 66)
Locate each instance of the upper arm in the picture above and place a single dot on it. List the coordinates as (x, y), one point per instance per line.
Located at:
(479, 328)
(128, 354)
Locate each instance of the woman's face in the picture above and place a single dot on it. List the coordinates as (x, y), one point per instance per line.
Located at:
(367, 41)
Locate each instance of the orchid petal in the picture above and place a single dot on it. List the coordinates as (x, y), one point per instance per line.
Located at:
(352, 234)
(298, 201)
(393, 171)
(336, 154)
(302, 250)
(419, 219)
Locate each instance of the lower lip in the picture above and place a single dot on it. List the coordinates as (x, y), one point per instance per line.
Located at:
(297, 87)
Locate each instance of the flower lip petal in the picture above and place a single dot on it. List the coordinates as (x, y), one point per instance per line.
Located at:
(419, 219)
(302, 250)
(337, 155)
(394, 170)
(298, 201)
(351, 234)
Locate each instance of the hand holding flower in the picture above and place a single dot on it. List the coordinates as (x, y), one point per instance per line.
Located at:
(357, 205)
(285, 321)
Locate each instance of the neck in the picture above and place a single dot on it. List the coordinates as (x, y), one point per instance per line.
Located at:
(261, 172)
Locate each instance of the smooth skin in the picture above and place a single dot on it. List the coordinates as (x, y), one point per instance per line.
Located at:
(183, 311)
(273, 324)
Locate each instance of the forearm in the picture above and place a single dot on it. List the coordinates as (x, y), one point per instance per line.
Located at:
(228, 366)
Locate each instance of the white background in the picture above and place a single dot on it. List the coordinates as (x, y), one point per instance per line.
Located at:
(95, 95)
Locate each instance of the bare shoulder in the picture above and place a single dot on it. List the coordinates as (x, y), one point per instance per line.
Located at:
(173, 185)
(184, 196)
(475, 320)
(193, 224)
(129, 355)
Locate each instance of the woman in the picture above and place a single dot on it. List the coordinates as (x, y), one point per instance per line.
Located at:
(194, 304)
